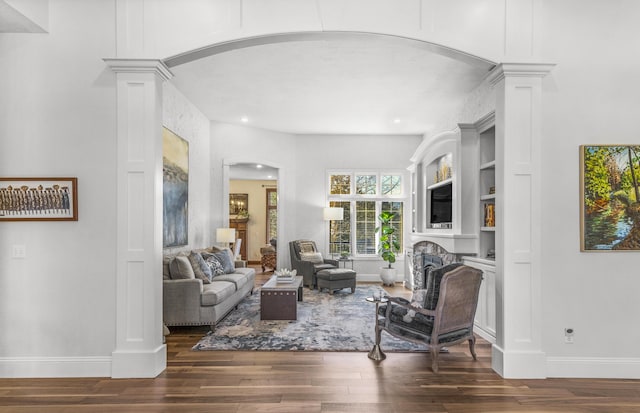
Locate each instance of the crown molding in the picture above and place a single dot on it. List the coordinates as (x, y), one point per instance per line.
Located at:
(139, 66)
(504, 70)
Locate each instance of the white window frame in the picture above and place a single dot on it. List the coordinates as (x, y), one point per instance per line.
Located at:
(378, 198)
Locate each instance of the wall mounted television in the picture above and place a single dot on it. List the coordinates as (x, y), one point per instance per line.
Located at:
(441, 204)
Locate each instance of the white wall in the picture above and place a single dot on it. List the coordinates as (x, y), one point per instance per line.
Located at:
(315, 154)
(591, 97)
(57, 118)
(233, 144)
(182, 118)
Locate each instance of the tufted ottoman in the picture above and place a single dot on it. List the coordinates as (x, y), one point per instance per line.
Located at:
(336, 279)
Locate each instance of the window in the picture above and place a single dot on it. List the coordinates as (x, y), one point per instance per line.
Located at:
(272, 214)
(363, 196)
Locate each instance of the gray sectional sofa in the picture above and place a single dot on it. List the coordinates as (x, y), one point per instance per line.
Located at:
(191, 298)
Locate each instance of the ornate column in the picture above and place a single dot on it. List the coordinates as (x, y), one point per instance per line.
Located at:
(518, 349)
(139, 349)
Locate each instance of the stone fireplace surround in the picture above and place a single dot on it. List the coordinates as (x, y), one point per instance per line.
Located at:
(426, 255)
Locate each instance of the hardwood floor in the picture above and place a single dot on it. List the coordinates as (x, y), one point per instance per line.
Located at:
(317, 382)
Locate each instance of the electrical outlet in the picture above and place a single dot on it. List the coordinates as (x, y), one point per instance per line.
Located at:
(568, 335)
(19, 251)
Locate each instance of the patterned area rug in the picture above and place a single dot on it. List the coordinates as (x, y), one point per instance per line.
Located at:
(338, 322)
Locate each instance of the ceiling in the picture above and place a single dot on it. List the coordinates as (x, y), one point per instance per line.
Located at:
(252, 171)
(345, 84)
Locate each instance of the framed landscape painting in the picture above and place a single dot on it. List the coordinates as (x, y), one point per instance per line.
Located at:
(610, 211)
(175, 189)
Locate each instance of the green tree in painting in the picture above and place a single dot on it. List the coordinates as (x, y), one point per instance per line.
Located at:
(597, 189)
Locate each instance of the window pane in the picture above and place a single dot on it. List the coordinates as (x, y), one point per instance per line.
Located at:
(365, 227)
(272, 214)
(272, 198)
(397, 220)
(340, 184)
(273, 224)
(366, 184)
(391, 185)
(340, 231)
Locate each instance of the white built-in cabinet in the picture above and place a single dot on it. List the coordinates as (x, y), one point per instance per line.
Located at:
(485, 321)
(481, 135)
(466, 159)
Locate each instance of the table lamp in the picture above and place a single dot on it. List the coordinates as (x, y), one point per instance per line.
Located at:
(225, 236)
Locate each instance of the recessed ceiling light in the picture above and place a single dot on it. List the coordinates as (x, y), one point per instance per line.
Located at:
(396, 120)
(258, 166)
(244, 119)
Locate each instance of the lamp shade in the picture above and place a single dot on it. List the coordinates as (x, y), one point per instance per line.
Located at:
(333, 214)
(225, 235)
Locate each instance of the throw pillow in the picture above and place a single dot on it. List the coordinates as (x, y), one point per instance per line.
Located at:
(433, 285)
(224, 258)
(213, 264)
(166, 271)
(200, 268)
(306, 246)
(181, 268)
(314, 257)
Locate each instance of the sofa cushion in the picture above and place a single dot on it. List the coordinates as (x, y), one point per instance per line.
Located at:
(314, 257)
(319, 267)
(200, 268)
(216, 292)
(238, 279)
(181, 269)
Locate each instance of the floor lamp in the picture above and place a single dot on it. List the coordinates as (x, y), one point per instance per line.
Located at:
(332, 214)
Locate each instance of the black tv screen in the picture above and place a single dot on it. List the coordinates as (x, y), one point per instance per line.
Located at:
(441, 204)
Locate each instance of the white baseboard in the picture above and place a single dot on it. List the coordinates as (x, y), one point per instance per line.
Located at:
(367, 278)
(594, 367)
(139, 364)
(37, 367)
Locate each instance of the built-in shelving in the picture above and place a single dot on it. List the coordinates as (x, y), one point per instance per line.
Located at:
(487, 191)
(441, 183)
(488, 165)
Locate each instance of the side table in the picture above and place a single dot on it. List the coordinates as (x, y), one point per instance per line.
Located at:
(376, 352)
(344, 262)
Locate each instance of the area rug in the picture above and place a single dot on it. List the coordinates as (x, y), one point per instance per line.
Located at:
(338, 322)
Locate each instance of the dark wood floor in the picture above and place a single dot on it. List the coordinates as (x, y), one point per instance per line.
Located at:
(317, 382)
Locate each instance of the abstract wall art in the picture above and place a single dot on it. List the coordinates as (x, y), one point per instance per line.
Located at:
(175, 189)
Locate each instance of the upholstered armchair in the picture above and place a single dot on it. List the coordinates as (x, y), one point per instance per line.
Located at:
(442, 315)
(306, 259)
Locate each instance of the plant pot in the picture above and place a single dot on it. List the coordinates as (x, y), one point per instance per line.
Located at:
(388, 275)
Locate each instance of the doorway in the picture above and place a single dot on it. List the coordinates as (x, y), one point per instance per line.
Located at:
(253, 207)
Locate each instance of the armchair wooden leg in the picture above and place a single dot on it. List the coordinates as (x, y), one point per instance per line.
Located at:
(472, 347)
(434, 351)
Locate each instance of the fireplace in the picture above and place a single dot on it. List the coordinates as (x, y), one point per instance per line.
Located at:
(427, 255)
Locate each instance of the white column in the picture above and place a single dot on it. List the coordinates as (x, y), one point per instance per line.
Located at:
(518, 350)
(139, 350)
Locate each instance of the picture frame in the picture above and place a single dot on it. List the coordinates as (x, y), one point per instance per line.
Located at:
(238, 204)
(38, 199)
(609, 198)
(175, 189)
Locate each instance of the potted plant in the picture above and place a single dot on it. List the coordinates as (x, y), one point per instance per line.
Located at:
(388, 246)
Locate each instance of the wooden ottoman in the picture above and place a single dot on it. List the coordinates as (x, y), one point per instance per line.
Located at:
(336, 279)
